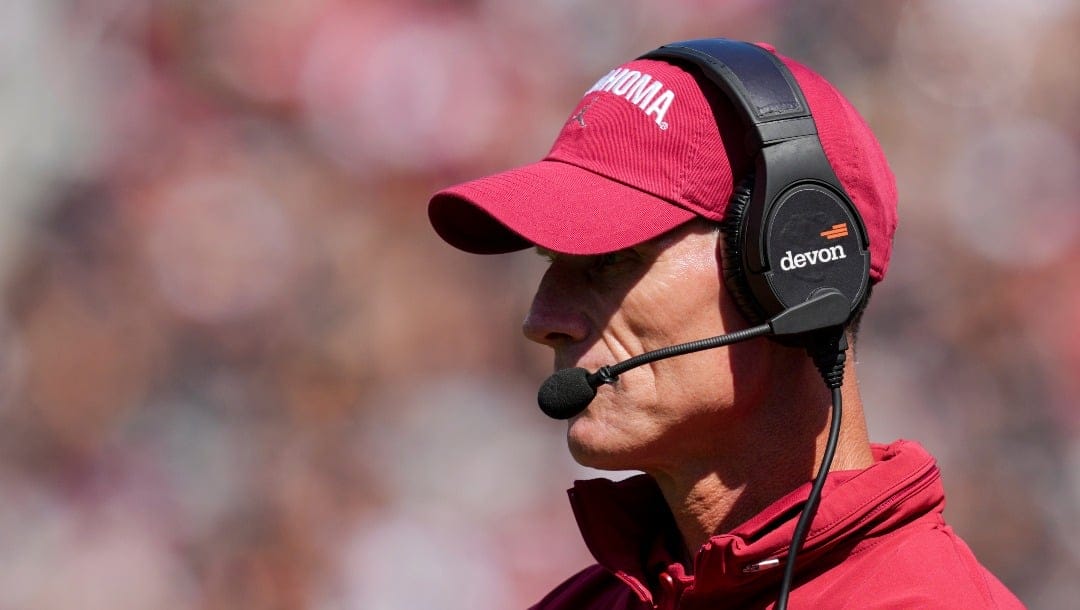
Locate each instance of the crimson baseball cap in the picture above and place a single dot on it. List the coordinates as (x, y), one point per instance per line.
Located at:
(649, 147)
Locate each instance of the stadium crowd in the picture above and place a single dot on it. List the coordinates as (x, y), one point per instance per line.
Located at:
(238, 369)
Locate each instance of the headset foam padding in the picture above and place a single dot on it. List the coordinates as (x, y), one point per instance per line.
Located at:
(731, 236)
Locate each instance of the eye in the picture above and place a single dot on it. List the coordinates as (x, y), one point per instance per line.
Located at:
(596, 265)
(613, 261)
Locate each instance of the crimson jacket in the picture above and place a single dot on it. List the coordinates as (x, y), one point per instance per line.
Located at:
(878, 541)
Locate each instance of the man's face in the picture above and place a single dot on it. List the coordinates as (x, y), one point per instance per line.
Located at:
(597, 310)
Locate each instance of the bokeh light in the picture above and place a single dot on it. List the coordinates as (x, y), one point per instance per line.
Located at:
(239, 370)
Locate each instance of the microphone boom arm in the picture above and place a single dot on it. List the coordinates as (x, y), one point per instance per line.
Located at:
(610, 373)
(569, 391)
(825, 309)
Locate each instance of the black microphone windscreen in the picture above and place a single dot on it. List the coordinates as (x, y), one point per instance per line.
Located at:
(566, 393)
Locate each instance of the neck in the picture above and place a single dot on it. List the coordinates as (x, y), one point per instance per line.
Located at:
(745, 475)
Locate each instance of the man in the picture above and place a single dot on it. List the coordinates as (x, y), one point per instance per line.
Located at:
(629, 208)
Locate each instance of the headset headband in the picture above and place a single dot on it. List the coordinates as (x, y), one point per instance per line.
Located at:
(766, 94)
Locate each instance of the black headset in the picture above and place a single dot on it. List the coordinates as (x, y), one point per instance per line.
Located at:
(791, 233)
(790, 230)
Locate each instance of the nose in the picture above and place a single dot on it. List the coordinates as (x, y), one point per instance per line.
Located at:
(555, 318)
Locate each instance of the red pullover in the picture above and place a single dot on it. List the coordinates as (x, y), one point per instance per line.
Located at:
(878, 540)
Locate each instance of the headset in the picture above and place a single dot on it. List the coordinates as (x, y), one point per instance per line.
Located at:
(790, 230)
(791, 233)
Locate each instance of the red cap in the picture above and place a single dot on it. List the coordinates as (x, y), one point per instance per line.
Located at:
(650, 146)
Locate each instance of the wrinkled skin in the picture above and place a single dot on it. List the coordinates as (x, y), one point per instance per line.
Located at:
(597, 310)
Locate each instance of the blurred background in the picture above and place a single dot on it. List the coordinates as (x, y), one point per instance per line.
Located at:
(238, 370)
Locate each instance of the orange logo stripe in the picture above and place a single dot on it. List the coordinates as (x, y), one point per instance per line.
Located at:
(836, 232)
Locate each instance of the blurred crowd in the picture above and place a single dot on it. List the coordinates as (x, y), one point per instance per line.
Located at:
(238, 370)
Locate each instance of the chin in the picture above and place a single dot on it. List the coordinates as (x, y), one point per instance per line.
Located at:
(594, 446)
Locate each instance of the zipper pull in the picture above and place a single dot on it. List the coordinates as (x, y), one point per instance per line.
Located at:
(768, 564)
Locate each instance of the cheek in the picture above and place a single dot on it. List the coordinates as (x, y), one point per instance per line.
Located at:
(686, 307)
(713, 379)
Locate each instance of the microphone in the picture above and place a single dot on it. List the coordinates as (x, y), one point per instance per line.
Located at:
(569, 391)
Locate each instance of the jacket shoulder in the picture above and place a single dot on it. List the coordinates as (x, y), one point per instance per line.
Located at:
(593, 587)
(931, 568)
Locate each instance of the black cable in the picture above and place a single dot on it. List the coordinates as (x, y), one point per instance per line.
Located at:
(828, 349)
(808, 512)
(610, 373)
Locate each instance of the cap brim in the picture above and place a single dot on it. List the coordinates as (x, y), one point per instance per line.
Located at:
(551, 204)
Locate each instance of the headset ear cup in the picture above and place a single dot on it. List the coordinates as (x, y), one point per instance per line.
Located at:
(732, 246)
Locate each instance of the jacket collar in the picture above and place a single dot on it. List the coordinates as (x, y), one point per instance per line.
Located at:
(630, 530)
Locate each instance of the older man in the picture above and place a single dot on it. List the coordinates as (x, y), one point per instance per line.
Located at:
(672, 208)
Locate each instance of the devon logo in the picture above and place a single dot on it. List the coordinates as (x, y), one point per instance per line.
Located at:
(790, 262)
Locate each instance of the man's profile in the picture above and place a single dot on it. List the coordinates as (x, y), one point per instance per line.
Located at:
(717, 186)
